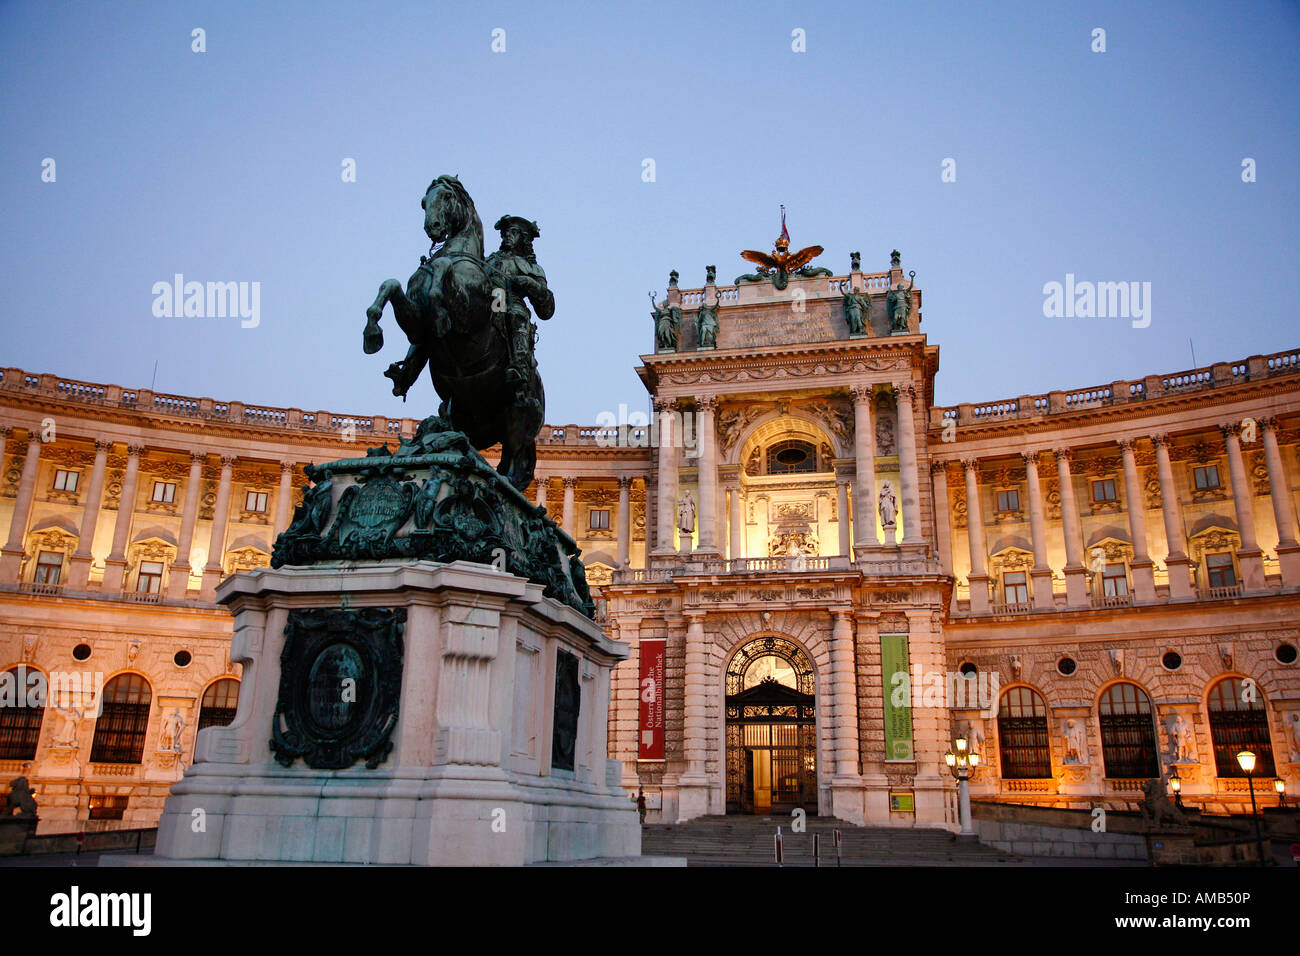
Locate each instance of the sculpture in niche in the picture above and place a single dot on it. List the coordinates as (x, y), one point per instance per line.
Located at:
(173, 725)
(885, 437)
(888, 505)
(686, 514)
(1181, 740)
(975, 736)
(1076, 742)
(65, 731)
(1293, 727)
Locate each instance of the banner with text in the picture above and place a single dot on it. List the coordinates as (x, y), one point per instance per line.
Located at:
(653, 655)
(895, 667)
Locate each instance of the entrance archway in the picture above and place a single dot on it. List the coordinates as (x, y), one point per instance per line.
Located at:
(771, 729)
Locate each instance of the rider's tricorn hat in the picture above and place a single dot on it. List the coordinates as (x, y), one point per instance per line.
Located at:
(528, 228)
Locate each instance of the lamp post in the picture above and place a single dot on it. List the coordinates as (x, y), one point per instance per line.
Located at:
(1246, 760)
(961, 761)
(1279, 787)
(1176, 785)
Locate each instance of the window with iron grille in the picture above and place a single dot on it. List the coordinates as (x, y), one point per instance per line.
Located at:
(20, 723)
(220, 701)
(123, 720)
(1220, 570)
(1014, 587)
(1128, 734)
(149, 580)
(1239, 722)
(1023, 746)
(65, 480)
(1103, 490)
(1206, 478)
(49, 565)
(791, 458)
(598, 519)
(1114, 581)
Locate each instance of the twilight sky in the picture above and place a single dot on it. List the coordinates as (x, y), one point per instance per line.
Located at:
(225, 166)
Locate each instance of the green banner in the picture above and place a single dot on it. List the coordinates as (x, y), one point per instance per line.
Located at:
(896, 671)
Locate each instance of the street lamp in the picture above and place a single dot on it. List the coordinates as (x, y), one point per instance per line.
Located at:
(962, 763)
(1176, 785)
(1279, 786)
(1246, 760)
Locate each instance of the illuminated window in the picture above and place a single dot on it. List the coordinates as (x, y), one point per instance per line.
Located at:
(1239, 722)
(1220, 570)
(1114, 581)
(104, 807)
(1128, 736)
(164, 491)
(149, 580)
(255, 501)
(1022, 735)
(220, 701)
(1104, 490)
(49, 565)
(1008, 501)
(1206, 478)
(1015, 589)
(598, 519)
(123, 720)
(791, 458)
(65, 480)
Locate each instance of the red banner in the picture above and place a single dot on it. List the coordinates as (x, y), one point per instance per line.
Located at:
(650, 741)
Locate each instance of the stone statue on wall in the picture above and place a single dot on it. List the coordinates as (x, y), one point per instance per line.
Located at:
(707, 324)
(710, 275)
(65, 732)
(900, 305)
(888, 505)
(855, 262)
(857, 311)
(1181, 740)
(668, 324)
(1293, 725)
(1076, 742)
(885, 437)
(686, 514)
(173, 725)
(975, 736)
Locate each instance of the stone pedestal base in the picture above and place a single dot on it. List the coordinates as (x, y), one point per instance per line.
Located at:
(979, 593)
(1251, 563)
(1042, 583)
(1144, 584)
(847, 800)
(692, 797)
(1180, 581)
(1076, 586)
(469, 769)
(1288, 557)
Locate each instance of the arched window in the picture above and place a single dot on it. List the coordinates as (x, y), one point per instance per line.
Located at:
(1022, 735)
(1128, 735)
(22, 694)
(219, 703)
(791, 457)
(120, 729)
(1239, 722)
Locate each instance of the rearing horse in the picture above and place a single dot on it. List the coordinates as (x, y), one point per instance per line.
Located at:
(447, 316)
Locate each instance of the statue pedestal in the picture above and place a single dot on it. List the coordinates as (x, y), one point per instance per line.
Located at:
(406, 712)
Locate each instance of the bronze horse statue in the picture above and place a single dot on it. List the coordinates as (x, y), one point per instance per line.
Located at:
(453, 315)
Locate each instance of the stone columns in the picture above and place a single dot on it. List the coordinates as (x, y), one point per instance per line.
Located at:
(705, 435)
(1144, 586)
(907, 465)
(942, 526)
(11, 558)
(625, 694)
(842, 510)
(1176, 561)
(666, 499)
(624, 521)
(570, 485)
(738, 524)
(693, 796)
(1288, 550)
(1076, 575)
(978, 577)
(217, 543)
(178, 579)
(846, 784)
(79, 569)
(283, 497)
(1041, 573)
(543, 483)
(1249, 558)
(115, 565)
(864, 450)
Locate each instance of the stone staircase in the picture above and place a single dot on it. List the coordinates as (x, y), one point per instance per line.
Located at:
(748, 841)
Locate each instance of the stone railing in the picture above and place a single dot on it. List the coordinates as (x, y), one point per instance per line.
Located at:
(1112, 600)
(1219, 594)
(1253, 369)
(730, 294)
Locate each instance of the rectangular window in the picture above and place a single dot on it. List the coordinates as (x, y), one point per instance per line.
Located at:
(1008, 501)
(1114, 581)
(164, 491)
(65, 480)
(107, 808)
(1220, 570)
(1014, 587)
(49, 565)
(149, 581)
(256, 501)
(599, 520)
(1104, 490)
(1206, 478)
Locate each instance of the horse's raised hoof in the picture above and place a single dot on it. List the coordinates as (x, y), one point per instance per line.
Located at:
(372, 339)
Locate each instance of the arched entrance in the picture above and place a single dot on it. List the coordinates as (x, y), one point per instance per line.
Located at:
(771, 729)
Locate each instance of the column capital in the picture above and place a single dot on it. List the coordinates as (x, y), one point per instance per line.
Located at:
(1231, 430)
(707, 403)
(861, 392)
(1063, 454)
(904, 391)
(6, 431)
(1029, 458)
(970, 464)
(1267, 422)
(134, 451)
(841, 614)
(228, 461)
(662, 405)
(1161, 440)
(103, 445)
(569, 482)
(1127, 445)
(286, 467)
(939, 466)
(625, 481)
(694, 615)
(197, 458)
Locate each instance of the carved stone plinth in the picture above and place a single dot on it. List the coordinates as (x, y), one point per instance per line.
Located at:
(406, 713)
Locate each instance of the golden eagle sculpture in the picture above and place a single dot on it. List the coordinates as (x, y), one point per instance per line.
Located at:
(781, 263)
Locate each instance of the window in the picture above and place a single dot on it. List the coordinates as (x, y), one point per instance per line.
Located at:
(65, 480)
(1014, 588)
(104, 807)
(1206, 478)
(20, 723)
(1114, 581)
(149, 580)
(1237, 724)
(1128, 734)
(598, 519)
(164, 491)
(1066, 666)
(1008, 501)
(1219, 568)
(791, 457)
(255, 501)
(1022, 735)
(123, 720)
(219, 703)
(1104, 490)
(49, 565)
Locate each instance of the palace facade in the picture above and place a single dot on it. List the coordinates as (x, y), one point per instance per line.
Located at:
(822, 576)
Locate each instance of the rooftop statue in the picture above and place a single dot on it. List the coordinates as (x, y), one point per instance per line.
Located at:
(780, 264)
(467, 319)
(707, 322)
(899, 301)
(668, 324)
